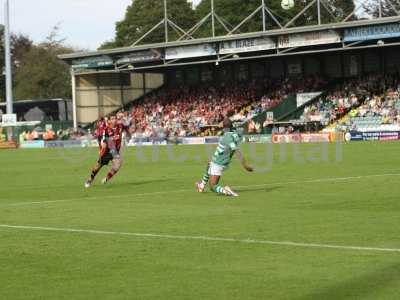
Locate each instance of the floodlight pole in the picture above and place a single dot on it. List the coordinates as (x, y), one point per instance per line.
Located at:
(263, 14)
(319, 11)
(9, 95)
(166, 20)
(74, 108)
(380, 8)
(212, 18)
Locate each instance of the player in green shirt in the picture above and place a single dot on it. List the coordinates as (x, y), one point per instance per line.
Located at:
(227, 147)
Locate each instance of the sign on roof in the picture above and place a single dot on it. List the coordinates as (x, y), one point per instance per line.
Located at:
(246, 45)
(372, 32)
(309, 39)
(92, 62)
(190, 51)
(142, 56)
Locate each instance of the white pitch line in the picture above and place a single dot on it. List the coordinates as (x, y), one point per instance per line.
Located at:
(37, 202)
(322, 180)
(94, 198)
(201, 238)
(334, 179)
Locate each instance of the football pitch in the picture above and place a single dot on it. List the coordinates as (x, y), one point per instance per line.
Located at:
(312, 222)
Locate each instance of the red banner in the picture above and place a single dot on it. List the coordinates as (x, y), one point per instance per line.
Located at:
(286, 138)
(315, 138)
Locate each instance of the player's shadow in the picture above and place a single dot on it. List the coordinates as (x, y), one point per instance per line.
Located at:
(360, 287)
(258, 189)
(142, 182)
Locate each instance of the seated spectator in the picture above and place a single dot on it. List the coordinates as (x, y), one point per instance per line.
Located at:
(35, 135)
(189, 111)
(251, 129)
(29, 136)
(49, 135)
(363, 97)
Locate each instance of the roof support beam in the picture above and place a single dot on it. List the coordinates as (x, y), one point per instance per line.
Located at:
(227, 59)
(393, 7)
(148, 33)
(273, 17)
(192, 30)
(186, 40)
(221, 21)
(299, 14)
(245, 20)
(282, 53)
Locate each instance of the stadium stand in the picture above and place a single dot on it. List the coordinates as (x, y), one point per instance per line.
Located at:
(379, 112)
(193, 111)
(366, 103)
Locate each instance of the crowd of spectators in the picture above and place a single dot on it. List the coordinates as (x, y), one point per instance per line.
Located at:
(39, 134)
(186, 111)
(379, 110)
(194, 111)
(386, 105)
(348, 96)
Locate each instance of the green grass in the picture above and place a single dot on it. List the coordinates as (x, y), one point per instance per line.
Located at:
(158, 196)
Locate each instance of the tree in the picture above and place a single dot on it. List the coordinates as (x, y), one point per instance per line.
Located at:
(1, 47)
(41, 74)
(341, 8)
(389, 8)
(235, 11)
(2, 65)
(37, 72)
(20, 45)
(108, 45)
(232, 12)
(142, 15)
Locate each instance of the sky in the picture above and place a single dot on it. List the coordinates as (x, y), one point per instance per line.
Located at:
(85, 24)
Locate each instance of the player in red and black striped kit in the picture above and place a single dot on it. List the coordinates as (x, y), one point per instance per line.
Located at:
(101, 126)
(110, 146)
